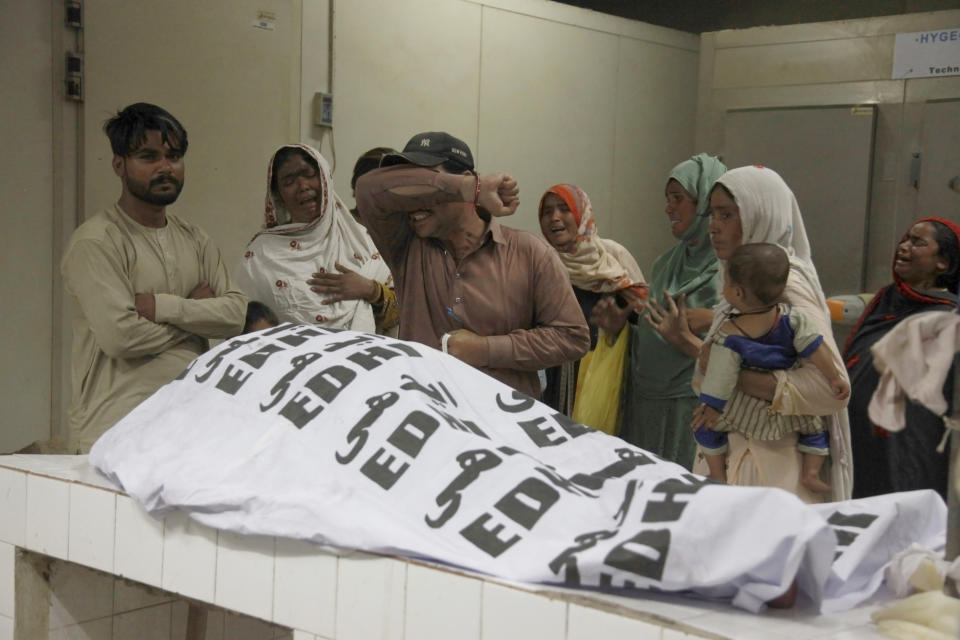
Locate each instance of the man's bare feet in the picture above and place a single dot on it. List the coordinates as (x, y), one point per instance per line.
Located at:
(785, 601)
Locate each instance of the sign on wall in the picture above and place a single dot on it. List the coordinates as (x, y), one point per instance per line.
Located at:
(927, 54)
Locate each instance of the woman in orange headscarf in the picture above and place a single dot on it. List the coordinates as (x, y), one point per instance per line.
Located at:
(598, 268)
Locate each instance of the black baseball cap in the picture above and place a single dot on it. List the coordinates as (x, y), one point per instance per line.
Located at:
(430, 149)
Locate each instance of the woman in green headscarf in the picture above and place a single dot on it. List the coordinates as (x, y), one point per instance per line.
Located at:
(657, 401)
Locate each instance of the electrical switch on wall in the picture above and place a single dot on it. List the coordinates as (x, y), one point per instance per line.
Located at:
(323, 109)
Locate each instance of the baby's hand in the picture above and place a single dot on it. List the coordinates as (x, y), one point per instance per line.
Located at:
(840, 388)
(705, 416)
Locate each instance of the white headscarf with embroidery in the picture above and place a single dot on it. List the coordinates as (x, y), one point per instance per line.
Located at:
(283, 255)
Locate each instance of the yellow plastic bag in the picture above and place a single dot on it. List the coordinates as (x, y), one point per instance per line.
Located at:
(597, 399)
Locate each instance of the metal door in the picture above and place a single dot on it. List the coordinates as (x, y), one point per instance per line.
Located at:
(825, 155)
(938, 181)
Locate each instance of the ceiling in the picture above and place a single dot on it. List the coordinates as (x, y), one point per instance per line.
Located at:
(698, 16)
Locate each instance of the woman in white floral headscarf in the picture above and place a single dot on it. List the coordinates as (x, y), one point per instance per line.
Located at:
(312, 262)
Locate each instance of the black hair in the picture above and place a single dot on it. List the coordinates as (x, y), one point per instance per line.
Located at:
(682, 188)
(282, 156)
(128, 129)
(949, 249)
(723, 187)
(455, 166)
(259, 311)
(367, 162)
(761, 268)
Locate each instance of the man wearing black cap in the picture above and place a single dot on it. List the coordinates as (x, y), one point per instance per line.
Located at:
(495, 297)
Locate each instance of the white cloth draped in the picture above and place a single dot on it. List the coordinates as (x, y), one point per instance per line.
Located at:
(361, 441)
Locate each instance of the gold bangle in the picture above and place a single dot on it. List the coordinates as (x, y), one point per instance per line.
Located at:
(379, 293)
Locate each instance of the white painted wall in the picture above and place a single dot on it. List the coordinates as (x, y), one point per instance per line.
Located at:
(391, 81)
(833, 63)
(235, 87)
(547, 92)
(26, 260)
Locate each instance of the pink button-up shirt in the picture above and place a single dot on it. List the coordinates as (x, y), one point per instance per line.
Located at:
(512, 289)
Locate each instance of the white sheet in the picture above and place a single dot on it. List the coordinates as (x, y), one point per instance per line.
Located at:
(362, 441)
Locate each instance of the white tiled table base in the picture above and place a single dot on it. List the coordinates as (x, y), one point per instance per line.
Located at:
(59, 507)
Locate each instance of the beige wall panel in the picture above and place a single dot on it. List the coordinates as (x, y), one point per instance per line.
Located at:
(896, 203)
(233, 86)
(709, 121)
(795, 63)
(923, 89)
(867, 92)
(778, 67)
(596, 21)
(939, 185)
(547, 109)
(545, 101)
(825, 155)
(710, 133)
(889, 171)
(816, 32)
(656, 105)
(26, 182)
(315, 71)
(841, 29)
(401, 68)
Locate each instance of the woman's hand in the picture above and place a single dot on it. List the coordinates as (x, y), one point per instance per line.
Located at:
(759, 384)
(608, 316)
(840, 388)
(346, 285)
(671, 323)
(705, 416)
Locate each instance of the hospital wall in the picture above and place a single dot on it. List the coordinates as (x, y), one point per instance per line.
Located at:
(547, 92)
(836, 63)
(544, 91)
(27, 258)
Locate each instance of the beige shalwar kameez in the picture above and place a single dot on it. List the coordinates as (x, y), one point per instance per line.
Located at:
(120, 358)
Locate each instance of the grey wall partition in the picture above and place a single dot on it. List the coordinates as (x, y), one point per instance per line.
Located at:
(938, 174)
(825, 155)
